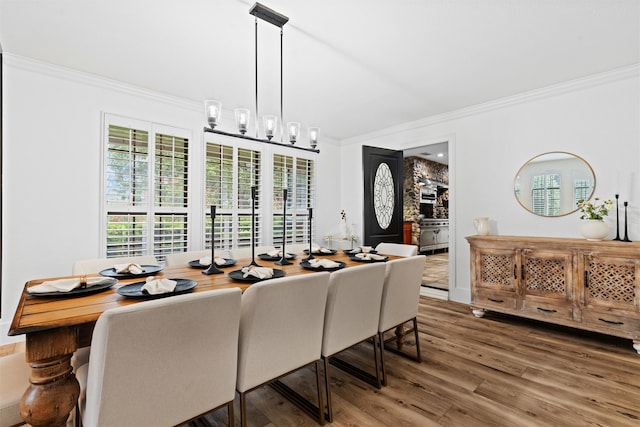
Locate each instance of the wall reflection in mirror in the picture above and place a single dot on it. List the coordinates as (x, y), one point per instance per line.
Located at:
(551, 184)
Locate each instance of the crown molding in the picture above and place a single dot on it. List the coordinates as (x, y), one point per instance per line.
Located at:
(632, 71)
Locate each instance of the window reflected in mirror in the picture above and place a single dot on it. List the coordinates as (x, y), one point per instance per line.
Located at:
(551, 184)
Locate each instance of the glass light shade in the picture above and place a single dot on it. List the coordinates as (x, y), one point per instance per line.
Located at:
(213, 111)
(293, 129)
(313, 136)
(242, 119)
(270, 126)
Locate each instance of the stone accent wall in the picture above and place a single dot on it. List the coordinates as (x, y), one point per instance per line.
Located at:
(416, 169)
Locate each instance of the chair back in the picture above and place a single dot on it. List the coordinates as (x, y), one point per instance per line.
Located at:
(14, 380)
(353, 307)
(242, 253)
(164, 361)
(93, 266)
(397, 249)
(280, 327)
(401, 292)
(183, 258)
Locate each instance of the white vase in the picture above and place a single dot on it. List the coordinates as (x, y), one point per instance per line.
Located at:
(482, 226)
(594, 229)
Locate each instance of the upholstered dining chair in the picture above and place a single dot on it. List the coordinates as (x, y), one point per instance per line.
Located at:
(93, 266)
(183, 258)
(400, 301)
(242, 253)
(162, 362)
(281, 327)
(397, 249)
(14, 380)
(351, 316)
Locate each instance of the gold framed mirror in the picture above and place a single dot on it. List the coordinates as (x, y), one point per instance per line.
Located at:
(550, 184)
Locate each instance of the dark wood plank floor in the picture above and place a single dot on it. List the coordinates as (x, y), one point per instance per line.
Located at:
(494, 371)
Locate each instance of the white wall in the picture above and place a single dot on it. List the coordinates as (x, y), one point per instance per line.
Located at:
(52, 159)
(596, 118)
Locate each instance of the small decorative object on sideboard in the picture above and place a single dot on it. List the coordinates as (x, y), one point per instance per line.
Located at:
(626, 236)
(482, 226)
(593, 212)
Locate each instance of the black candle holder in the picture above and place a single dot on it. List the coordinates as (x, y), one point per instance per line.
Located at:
(626, 235)
(310, 257)
(213, 269)
(253, 228)
(284, 260)
(617, 220)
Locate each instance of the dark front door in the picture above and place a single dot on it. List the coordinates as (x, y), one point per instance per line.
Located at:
(383, 176)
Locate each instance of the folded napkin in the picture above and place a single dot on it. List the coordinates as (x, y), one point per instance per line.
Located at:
(372, 257)
(207, 261)
(318, 249)
(364, 249)
(259, 272)
(323, 263)
(158, 286)
(131, 267)
(65, 285)
(278, 253)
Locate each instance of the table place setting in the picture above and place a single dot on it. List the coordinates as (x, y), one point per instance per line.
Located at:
(360, 249)
(254, 273)
(157, 288)
(205, 262)
(275, 255)
(130, 270)
(72, 286)
(368, 257)
(320, 250)
(323, 264)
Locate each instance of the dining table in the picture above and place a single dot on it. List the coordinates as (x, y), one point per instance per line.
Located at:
(56, 326)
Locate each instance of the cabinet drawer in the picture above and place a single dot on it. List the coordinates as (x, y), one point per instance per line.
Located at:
(495, 299)
(547, 312)
(624, 326)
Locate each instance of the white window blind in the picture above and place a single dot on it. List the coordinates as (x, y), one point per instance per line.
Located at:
(231, 171)
(295, 174)
(146, 190)
(545, 194)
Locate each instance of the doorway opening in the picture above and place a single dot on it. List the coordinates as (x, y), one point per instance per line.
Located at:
(427, 204)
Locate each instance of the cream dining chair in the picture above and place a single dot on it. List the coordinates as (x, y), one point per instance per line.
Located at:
(162, 362)
(351, 316)
(397, 249)
(183, 258)
(14, 380)
(281, 327)
(400, 301)
(93, 266)
(245, 253)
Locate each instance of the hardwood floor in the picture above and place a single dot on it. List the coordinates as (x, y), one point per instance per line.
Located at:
(494, 371)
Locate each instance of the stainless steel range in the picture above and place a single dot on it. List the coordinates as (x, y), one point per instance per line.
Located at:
(434, 234)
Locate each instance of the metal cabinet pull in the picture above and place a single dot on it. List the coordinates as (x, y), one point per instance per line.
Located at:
(547, 310)
(611, 322)
(495, 300)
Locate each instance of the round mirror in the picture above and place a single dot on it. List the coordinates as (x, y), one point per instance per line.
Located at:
(552, 183)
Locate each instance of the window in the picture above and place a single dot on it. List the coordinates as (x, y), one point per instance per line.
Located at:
(296, 175)
(231, 172)
(146, 188)
(581, 190)
(545, 194)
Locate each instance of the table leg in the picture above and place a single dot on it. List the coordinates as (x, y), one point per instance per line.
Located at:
(54, 390)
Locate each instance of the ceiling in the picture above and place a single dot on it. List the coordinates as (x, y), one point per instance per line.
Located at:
(351, 67)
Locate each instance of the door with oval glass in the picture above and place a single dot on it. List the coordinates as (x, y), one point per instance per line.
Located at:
(383, 174)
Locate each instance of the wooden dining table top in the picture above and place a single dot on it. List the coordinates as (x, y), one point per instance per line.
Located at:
(38, 313)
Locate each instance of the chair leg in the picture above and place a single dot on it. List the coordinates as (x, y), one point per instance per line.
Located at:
(328, 389)
(382, 367)
(231, 414)
(243, 410)
(375, 359)
(415, 331)
(320, 393)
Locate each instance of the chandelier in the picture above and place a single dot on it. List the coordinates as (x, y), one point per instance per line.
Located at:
(213, 108)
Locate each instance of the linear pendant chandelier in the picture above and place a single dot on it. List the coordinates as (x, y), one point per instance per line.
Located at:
(213, 108)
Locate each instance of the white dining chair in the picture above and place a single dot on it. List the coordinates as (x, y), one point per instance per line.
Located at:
(295, 248)
(352, 315)
(14, 380)
(183, 258)
(245, 253)
(162, 362)
(397, 249)
(280, 332)
(400, 301)
(93, 266)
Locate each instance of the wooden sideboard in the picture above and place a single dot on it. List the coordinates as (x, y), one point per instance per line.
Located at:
(573, 282)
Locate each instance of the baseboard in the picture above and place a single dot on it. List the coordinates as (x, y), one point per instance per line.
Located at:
(434, 293)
